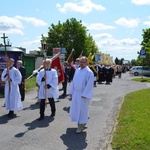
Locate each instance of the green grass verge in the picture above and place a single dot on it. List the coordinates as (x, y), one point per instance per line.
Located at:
(133, 128)
(142, 79)
(30, 83)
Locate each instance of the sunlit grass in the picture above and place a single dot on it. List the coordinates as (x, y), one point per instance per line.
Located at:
(30, 83)
(133, 128)
(144, 79)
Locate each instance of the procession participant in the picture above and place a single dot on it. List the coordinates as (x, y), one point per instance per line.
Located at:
(72, 70)
(47, 80)
(81, 90)
(12, 77)
(77, 63)
(96, 66)
(91, 66)
(22, 84)
(101, 74)
(66, 78)
(115, 70)
(108, 73)
(119, 70)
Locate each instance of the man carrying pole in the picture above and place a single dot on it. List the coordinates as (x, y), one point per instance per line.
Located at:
(12, 77)
(12, 94)
(47, 79)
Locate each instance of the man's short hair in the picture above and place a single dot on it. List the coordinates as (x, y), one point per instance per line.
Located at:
(11, 59)
(20, 61)
(48, 60)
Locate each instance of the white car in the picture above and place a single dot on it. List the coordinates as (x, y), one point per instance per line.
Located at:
(140, 70)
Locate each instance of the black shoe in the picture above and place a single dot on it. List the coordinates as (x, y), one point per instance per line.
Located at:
(12, 115)
(52, 115)
(41, 118)
(8, 114)
(63, 94)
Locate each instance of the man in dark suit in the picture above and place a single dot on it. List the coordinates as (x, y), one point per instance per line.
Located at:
(66, 77)
(22, 84)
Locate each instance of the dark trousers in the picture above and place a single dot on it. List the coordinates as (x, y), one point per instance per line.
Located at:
(64, 84)
(42, 106)
(22, 91)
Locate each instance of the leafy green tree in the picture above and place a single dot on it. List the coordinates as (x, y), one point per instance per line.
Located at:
(70, 35)
(55, 38)
(145, 45)
(134, 62)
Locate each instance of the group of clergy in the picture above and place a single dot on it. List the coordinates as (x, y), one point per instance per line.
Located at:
(81, 75)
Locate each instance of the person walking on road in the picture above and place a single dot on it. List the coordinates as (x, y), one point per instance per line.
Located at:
(119, 71)
(47, 80)
(22, 84)
(12, 77)
(66, 78)
(81, 90)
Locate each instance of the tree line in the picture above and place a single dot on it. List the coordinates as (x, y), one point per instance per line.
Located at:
(71, 34)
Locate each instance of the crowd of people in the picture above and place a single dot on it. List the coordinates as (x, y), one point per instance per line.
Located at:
(82, 77)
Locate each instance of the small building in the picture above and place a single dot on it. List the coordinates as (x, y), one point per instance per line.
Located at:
(12, 52)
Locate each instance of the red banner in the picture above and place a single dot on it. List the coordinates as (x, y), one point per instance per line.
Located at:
(57, 66)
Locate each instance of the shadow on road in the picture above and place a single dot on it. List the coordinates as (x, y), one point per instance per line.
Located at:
(67, 109)
(32, 107)
(74, 141)
(4, 119)
(36, 124)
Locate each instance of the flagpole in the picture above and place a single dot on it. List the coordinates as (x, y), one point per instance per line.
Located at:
(81, 53)
(70, 54)
(55, 56)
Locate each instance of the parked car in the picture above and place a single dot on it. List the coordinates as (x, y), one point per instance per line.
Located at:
(140, 70)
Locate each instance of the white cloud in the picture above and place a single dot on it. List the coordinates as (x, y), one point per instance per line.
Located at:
(84, 7)
(130, 23)
(10, 25)
(123, 48)
(147, 23)
(99, 26)
(32, 20)
(29, 43)
(103, 35)
(13, 25)
(141, 2)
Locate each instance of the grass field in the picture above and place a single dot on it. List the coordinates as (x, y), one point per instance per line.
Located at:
(30, 83)
(142, 79)
(132, 131)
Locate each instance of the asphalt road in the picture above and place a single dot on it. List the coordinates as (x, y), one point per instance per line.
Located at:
(26, 133)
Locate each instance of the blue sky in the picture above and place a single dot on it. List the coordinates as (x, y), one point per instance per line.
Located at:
(116, 25)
